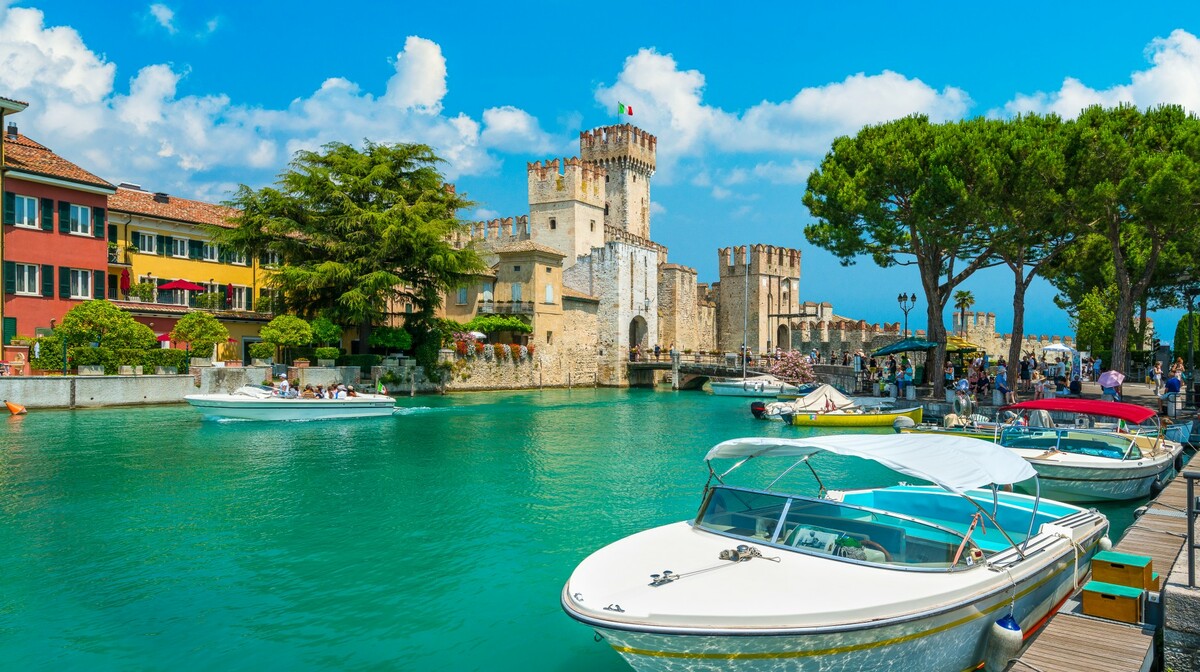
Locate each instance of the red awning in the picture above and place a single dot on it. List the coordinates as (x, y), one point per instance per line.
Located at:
(1109, 409)
(182, 284)
(163, 338)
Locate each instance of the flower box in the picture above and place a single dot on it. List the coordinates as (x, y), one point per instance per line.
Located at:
(91, 370)
(300, 363)
(165, 370)
(327, 363)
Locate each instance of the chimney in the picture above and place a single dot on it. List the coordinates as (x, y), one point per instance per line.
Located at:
(161, 197)
(12, 131)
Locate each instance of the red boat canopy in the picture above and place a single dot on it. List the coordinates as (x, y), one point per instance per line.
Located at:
(1110, 409)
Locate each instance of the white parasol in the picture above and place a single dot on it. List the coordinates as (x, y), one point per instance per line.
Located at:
(1058, 347)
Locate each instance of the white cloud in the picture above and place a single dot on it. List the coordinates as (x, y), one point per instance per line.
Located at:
(657, 209)
(142, 130)
(165, 16)
(669, 102)
(484, 214)
(796, 172)
(1173, 77)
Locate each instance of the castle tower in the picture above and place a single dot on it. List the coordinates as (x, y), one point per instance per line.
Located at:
(773, 292)
(627, 154)
(566, 206)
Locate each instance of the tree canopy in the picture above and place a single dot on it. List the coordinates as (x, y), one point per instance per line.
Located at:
(354, 230)
(287, 331)
(200, 330)
(106, 325)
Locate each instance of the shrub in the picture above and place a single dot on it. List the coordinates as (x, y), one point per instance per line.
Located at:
(86, 356)
(392, 338)
(262, 350)
(105, 324)
(49, 353)
(165, 357)
(363, 362)
(325, 331)
(129, 356)
(142, 290)
(327, 353)
(200, 330)
(287, 330)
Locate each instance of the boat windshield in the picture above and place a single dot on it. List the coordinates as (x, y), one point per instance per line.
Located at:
(1094, 443)
(837, 529)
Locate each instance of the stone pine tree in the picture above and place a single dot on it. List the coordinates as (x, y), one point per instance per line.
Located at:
(1135, 178)
(902, 193)
(354, 228)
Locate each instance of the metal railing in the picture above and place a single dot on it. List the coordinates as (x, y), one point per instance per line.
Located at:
(1192, 511)
(506, 307)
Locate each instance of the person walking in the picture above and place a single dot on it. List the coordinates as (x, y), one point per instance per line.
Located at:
(1156, 379)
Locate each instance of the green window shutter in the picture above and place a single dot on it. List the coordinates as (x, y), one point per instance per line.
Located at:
(112, 233)
(135, 239)
(249, 300)
(64, 282)
(162, 245)
(98, 225)
(99, 282)
(10, 277)
(10, 208)
(64, 217)
(47, 280)
(47, 208)
(9, 329)
(195, 249)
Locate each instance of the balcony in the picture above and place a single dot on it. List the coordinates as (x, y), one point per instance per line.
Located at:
(118, 258)
(506, 308)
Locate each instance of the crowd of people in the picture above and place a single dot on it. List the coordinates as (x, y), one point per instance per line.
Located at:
(334, 391)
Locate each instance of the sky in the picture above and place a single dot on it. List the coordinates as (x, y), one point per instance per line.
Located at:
(194, 98)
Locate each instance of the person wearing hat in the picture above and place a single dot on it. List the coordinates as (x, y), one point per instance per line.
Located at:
(350, 391)
(283, 386)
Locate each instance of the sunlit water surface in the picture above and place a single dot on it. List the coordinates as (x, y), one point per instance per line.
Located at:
(145, 538)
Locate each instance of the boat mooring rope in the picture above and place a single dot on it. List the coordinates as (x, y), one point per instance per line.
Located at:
(742, 553)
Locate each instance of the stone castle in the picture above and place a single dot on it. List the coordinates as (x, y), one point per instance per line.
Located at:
(582, 266)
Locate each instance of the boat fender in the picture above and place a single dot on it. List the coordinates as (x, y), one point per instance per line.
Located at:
(1105, 543)
(1179, 462)
(757, 409)
(787, 418)
(1004, 643)
(15, 409)
(1156, 487)
(901, 423)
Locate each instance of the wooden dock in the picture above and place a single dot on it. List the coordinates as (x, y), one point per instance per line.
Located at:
(1071, 642)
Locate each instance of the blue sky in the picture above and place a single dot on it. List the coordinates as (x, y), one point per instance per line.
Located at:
(194, 98)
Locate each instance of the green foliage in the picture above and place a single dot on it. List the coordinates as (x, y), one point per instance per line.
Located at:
(144, 291)
(1094, 319)
(89, 356)
(1180, 344)
(165, 357)
(392, 338)
(211, 300)
(200, 330)
(352, 226)
(105, 324)
(49, 353)
(325, 332)
(491, 324)
(262, 350)
(363, 362)
(327, 353)
(286, 331)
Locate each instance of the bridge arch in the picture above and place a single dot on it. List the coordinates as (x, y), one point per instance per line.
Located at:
(639, 332)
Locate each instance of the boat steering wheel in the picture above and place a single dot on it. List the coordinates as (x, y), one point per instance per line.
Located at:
(867, 543)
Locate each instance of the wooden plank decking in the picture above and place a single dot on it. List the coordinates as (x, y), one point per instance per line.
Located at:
(1072, 642)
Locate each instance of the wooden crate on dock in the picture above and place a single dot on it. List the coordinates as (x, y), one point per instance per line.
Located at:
(1123, 569)
(1116, 603)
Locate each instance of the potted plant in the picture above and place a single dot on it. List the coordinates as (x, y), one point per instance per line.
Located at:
(300, 362)
(327, 356)
(141, 292)
(261, 353)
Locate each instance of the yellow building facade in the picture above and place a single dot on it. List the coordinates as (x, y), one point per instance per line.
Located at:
(158, 241)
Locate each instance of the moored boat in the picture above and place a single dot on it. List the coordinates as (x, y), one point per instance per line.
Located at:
(857, 417)
(902, 577)
(253, 402)
(753, 386)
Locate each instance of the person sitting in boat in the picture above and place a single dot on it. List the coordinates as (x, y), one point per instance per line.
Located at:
(350, 391)
(283, 388)
(320, 391)
(308, 393)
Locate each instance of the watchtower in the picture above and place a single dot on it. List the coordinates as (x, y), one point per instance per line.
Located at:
(627, 154)
(566, 206)
(759, 288)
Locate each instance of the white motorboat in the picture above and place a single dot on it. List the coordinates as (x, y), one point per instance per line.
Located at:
(254, 402)
(753, 386)
(901, 578)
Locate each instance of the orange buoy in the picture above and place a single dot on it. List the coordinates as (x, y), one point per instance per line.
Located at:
(15, 409)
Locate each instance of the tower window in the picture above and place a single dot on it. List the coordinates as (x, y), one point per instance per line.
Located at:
(606, 178)
(635, 177)
(606, 208)
(553, 224)
(593, 225)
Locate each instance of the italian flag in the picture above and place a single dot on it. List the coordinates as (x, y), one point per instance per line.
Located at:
(623, 109)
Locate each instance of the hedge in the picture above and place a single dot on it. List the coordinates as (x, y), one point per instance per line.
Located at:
(327, 353)
(112, 360)
(363, 362)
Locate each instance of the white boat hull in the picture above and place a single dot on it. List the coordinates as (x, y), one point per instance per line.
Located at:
(1118, 480)
(949, 641)
(228, 406)
(749, 388)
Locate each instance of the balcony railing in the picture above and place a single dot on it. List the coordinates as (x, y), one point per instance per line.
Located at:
(506, 307)
(119, 258)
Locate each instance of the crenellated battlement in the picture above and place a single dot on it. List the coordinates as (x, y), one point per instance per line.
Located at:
(622, 142)
(763, 259)
(572, 179)
(506, 230)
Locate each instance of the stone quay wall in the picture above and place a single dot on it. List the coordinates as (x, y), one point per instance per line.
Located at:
(100, 391)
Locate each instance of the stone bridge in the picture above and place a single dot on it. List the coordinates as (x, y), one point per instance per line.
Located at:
(688, 372)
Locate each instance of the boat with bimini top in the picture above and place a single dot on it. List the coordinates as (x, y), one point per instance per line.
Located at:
(905, 577)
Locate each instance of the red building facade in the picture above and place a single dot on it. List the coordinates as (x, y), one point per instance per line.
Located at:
(55, 235)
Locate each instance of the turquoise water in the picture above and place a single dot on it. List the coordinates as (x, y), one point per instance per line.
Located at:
(438, 539)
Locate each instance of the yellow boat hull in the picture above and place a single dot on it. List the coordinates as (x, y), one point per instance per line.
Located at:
(986, 435)
(836, 419)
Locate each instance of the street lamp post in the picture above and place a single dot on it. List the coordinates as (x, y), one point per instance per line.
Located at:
(907, 303)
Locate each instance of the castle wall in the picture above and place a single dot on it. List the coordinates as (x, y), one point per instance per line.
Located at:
(566, 207)
(680, 310)
(624, 278)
